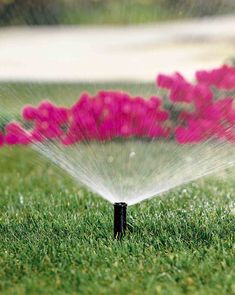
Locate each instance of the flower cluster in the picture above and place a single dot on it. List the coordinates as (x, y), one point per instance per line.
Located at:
(209, 117)
(221, 78)
(102, 117)
(113, 114)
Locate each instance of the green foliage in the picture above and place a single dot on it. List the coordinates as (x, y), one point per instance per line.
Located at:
(57, 239)
(47, 12)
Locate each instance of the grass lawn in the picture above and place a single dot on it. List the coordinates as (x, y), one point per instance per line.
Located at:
(56, 238)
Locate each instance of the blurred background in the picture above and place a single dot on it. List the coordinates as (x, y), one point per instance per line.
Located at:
(113, 40)
(74, 12)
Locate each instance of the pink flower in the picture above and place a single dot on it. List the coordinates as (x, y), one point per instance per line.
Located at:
(29, 113)
(180, 92)
(179, 88)
(222, 78)
(167, 81)
(48, 120)
(154, 102)
(15, 134)
(1, 139)
(201, 95)
(188, 135)
(69, 139)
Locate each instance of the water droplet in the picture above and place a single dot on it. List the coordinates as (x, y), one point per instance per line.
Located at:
(132, 154)
(21, 199)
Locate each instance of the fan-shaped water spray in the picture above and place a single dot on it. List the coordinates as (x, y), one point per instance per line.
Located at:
(128, 149)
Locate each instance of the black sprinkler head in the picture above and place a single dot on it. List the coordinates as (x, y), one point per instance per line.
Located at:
(119, 220)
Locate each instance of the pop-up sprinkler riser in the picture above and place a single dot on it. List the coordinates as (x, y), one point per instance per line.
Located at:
(119, 219)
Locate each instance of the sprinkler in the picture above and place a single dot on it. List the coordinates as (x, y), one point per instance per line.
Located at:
(101, 139)
(119, 220)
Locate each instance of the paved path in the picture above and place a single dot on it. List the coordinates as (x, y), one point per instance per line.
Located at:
(134, 53)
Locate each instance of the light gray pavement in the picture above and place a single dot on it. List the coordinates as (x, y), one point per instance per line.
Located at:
(134, 53)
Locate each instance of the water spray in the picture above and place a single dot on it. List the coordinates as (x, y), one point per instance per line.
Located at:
(119, 220)
(101, 139)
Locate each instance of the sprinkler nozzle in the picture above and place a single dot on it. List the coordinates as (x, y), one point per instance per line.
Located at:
(119, 220)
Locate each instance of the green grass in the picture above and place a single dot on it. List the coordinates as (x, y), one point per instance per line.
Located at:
(56, 238)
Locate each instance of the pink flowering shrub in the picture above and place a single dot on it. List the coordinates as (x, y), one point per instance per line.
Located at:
(112, 114)
(209, 117)
(222, 78)
(47, 119)
(103, 117)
